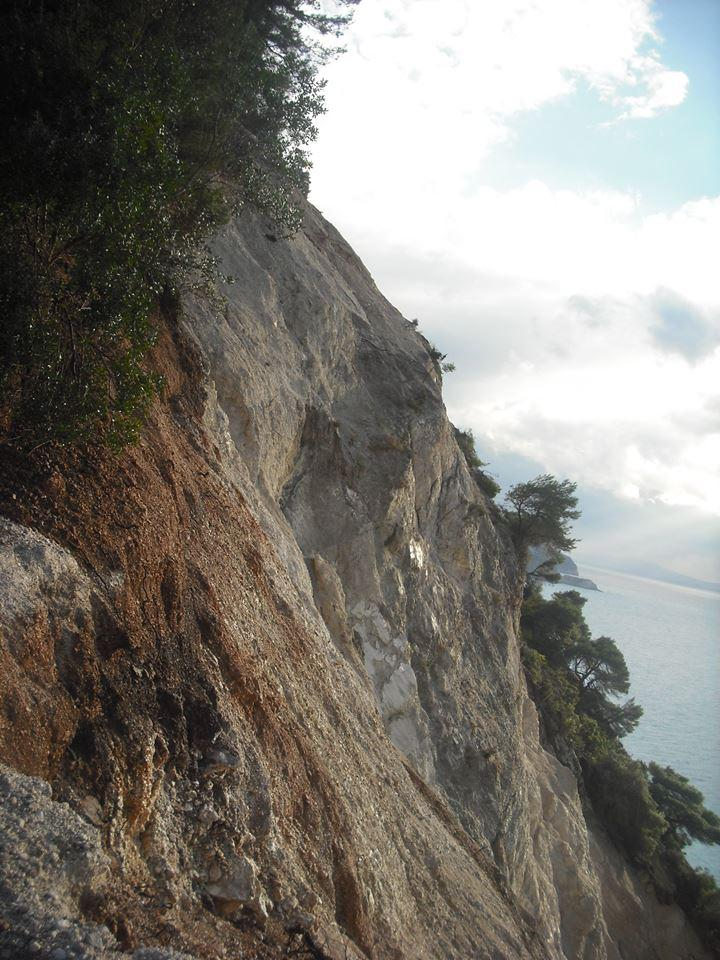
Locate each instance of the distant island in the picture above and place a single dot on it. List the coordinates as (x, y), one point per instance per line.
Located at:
(574, 581)
(566, 567)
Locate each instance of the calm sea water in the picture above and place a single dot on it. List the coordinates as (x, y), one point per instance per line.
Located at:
(670, 637)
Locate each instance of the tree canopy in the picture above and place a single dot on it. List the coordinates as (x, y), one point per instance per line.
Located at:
(599, 665)
(651, 812)
(541, 511)
(132, 129)
(594, 669)
(554, 627)
(682, 805)
(616, 720)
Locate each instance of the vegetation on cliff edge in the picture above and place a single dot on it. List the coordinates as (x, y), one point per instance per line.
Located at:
(466, 441)
(651, 812)
(132, 130)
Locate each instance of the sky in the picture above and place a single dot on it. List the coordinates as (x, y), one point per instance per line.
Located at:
(538, 183)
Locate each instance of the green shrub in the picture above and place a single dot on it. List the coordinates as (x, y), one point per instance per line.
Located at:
(683, 806)
(466, 441)
(619, 790)
(440, 360)
(131, 131)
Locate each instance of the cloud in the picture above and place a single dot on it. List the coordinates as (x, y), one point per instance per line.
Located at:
(429, 89)
(628, 529)
(629, 458)
(592, 242)
(619, 390)
(420, 70)
(681, 327)
(583, 328)
(661, 89)
(581, 387)
(674, 324)
(615, 388)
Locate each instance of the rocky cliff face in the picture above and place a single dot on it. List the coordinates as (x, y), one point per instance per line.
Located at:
(268, 662)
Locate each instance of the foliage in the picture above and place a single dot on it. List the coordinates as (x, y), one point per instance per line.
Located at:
(697, 893)
(575, 680)
(650, 812)
(540, 511)
(557, 699)
(682, 805)
(132, 129)
(599, 665)
(466, 441)
(618, 787)
(489, 486)
(440, 359)
(595, 670)
(553, 627)
(546, 570)
(616, 720)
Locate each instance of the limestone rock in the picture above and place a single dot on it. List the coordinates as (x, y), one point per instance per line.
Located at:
(276, 642)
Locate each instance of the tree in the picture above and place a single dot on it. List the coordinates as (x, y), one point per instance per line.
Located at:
(595, 669)
(552, 627)
(132, 130)
(683, 807)
(651, 812)
(545, 570)
(619, 790)
(601, 672)
(541, 511)
(616, 720)
(599, 665)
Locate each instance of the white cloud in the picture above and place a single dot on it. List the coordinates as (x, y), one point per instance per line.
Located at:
(660, 89)
(542, 296)
(445, 76)
(429, 87)
(606, 410)
(681, 327)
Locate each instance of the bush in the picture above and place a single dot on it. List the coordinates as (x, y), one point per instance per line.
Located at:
(132, 130)
(440, 359)
(466, 441)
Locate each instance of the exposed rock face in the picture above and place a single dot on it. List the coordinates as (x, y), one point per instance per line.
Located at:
(639, 925)
(50, 858)
(270, 655)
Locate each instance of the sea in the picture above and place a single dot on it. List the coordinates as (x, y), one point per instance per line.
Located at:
(670, 637)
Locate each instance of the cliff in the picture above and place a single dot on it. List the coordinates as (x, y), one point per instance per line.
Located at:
(262, 685)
